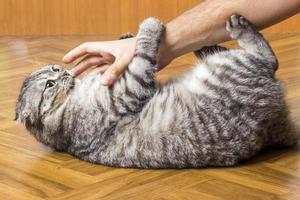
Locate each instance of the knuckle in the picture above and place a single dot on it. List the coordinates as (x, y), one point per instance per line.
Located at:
(86, 44)
(90, 61)
(113, 71)
(95, 60)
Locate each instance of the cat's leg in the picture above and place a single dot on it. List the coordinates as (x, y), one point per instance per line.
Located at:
(137, 85)
(140, 75)
(209, 50)
(250, 39)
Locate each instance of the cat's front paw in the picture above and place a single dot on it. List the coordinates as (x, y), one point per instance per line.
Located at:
(152, 25)
(237, 25)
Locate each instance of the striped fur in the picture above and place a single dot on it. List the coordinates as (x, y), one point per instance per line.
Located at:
(226, 110)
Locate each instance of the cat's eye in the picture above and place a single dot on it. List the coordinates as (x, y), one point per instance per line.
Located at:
(55, 68)
(50, 84)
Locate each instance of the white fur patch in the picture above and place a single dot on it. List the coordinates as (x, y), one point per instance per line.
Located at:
(194, 81)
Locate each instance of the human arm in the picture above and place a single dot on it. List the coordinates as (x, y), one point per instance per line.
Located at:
(200, 26)
(204, 24)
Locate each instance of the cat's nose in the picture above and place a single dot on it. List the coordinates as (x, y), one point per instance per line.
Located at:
(70, 72)
(66, 73)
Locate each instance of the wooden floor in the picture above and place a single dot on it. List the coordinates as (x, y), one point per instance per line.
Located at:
(29, 170)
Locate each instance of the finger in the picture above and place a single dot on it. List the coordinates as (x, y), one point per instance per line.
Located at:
(88, 62)
(99, 69)
(78, 52)
(114, 71)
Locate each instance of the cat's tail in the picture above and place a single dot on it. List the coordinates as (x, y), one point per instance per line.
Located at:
(284, 134)
(292, 136)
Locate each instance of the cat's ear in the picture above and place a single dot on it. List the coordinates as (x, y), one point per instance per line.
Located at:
(25, 116)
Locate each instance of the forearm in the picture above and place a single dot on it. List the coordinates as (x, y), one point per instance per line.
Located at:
(204, 24)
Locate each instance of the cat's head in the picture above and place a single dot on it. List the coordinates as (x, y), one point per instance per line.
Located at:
(41, 103)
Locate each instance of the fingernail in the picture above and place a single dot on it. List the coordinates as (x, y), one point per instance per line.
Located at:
(65, 59)
(106, 79)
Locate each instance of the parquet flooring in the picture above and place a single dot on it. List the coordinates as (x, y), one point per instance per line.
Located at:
(29, 170)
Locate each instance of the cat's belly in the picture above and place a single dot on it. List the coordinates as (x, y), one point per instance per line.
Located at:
(202, 117)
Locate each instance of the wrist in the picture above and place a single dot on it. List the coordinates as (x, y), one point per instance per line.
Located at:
(167, 50)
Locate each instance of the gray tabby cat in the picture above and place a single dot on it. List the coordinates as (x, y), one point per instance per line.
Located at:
(226, 110)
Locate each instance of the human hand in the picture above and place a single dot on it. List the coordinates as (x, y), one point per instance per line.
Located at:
(110, 57)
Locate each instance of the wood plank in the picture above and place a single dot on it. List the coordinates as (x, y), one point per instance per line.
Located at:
(29, 170)
(94, 17)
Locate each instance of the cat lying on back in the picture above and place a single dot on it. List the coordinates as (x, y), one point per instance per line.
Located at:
(226, 110)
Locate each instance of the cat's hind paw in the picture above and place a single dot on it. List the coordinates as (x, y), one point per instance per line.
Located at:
(237, 25)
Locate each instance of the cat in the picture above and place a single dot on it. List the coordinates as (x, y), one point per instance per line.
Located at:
(224, 111)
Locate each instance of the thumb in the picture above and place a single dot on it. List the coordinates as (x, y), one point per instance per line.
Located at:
(114, 71)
